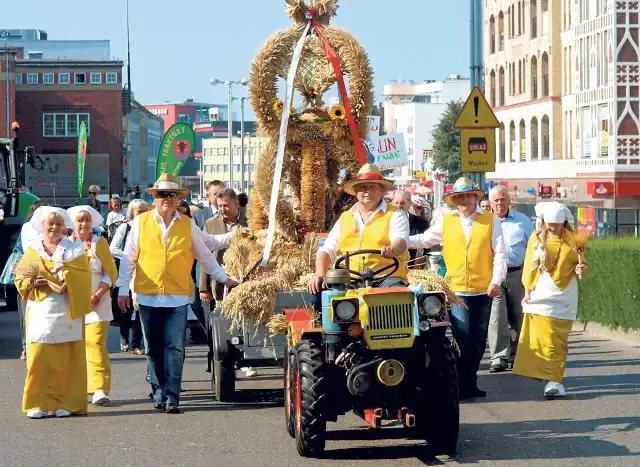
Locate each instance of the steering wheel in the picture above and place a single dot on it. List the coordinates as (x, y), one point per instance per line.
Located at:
(374, 274)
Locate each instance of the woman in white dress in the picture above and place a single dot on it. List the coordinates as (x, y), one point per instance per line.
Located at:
(103, 277)
(116, 214)
(550, 304)
(54, 279)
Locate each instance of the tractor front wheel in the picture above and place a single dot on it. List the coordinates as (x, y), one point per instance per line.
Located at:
(289, 390)
(438, 421)
(310, 399)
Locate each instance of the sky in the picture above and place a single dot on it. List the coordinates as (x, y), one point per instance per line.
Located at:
(177, 46)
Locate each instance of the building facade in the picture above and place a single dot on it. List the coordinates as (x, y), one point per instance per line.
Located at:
(576, 104)
(52, 98)
(216, 160)
(413, 109)
(142, 132)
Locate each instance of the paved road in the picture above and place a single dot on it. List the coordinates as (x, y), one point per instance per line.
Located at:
(599, 425)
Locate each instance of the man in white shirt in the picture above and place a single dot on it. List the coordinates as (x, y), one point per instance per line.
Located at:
(370, 224)
(161, 247)
(475, 256)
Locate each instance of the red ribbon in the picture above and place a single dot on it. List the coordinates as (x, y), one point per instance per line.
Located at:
(353, 129)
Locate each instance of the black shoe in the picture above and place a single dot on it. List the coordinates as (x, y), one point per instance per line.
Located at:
(472, 394)
(171, 408)
(498, 368)
(159, 405)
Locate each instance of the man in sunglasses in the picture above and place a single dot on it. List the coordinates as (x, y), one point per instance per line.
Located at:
(161, 247)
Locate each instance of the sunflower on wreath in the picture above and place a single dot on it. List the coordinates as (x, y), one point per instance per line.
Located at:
(337, 112)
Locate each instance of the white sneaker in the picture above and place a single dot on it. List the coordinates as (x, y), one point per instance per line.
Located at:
(37, 413)
(61, 413)
(100, 398)
(553, 389)
(251, 372)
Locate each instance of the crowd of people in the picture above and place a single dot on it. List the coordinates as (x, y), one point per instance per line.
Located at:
(145, 267)
(77, 273)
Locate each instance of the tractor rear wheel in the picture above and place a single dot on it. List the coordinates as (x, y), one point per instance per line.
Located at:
(289, 390)
(438, 421)
(310, 399)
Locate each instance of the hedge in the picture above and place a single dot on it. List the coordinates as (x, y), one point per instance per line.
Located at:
(610, 291)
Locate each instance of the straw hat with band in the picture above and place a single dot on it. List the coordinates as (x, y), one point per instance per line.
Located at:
(367, 175)
(168, 183)
(96, 217)
(462, 186)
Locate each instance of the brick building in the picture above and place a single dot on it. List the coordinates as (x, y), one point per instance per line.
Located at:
(51, 99)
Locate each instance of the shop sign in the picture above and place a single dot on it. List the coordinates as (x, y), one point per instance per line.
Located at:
(545, 191)
(600, 189)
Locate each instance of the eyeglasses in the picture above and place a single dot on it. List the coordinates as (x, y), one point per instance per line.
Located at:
(166, 194)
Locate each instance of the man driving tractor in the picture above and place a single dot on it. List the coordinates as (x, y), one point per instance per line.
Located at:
(371, 224)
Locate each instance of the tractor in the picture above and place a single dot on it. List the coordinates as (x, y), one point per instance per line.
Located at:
(381, 352)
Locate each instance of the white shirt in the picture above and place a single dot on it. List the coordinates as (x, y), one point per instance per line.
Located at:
(398, 228)
(434, 235)
(117, 244)
(114, 217)
(201, 243)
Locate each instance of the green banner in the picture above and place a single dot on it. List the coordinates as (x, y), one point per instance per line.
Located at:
(82, 155)
(177, 144)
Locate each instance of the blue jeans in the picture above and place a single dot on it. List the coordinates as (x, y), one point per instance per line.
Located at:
(316, 299)
(469, 328)
(164, 332)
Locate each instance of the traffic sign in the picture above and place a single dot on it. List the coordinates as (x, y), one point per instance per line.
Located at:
(478, 150)
(476, 112)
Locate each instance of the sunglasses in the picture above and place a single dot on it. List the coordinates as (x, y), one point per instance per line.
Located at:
(166, 194)
(93, 192)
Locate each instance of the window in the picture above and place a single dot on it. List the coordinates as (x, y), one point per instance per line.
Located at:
(96, 78)
(32, 78)
(80, 78)
(63, 125)
(112, 78)
(47, 78)
(64, 78)
(18, 78)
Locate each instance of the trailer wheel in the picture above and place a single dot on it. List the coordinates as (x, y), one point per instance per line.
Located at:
(224, 380)
(310, 398)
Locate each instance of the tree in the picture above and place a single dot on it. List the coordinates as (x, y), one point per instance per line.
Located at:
(446, 142)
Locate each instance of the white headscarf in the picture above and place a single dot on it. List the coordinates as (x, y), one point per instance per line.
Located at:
(96, 217)
(43, 212)
(552, 212)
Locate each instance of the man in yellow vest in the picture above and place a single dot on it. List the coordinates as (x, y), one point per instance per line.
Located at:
(371, 223)
(159, 254)
(474, 253)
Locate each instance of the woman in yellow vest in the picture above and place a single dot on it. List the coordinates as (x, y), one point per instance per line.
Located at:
(475, 256)
(103, 277)
(53, 277)
(371, 223)
(550, 304)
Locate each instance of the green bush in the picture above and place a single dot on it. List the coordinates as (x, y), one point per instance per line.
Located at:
(610, 291)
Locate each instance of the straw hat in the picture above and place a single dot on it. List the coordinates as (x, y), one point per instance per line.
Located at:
(168, 182)
(462, 185)
(96, 217)
(368, 174)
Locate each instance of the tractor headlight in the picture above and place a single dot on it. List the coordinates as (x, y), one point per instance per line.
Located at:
(431, 306)
(345, 310)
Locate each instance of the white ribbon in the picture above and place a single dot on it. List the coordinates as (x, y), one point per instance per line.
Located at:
(282, 143)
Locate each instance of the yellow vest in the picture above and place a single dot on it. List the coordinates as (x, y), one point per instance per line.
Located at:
(374, 236)
(469, 263)
(164, 268)
(562, 250)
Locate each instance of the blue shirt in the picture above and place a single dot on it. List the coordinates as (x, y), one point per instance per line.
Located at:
(516, 230)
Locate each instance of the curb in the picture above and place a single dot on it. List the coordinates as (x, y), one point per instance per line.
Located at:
(630, 338)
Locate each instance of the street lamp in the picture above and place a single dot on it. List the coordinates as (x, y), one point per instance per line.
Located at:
(243, 82)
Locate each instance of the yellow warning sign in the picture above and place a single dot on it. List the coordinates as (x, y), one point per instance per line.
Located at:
(478, 150)
(476, 112)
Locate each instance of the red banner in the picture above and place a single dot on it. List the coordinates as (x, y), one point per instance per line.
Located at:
(353, 129)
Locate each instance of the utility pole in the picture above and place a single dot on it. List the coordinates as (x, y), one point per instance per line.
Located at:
(6, 70)
(230, 132)
(242, 99)
(476, 63)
